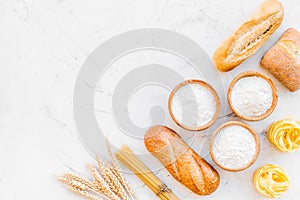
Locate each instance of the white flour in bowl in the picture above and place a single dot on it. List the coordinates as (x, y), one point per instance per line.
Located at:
(251, 96)
(234, 147)
(193, 105)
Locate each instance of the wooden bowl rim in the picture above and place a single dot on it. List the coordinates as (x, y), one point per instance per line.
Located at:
(274, 95)
(207, 86)
(250, 129)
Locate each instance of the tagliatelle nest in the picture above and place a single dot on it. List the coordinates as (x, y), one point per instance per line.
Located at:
(271, 181)
(285, 134)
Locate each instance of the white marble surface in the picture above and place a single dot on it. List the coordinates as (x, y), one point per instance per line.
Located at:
(43, 45)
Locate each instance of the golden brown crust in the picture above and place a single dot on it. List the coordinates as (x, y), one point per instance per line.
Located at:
(250, 36)
(283, 60)
(185, 165)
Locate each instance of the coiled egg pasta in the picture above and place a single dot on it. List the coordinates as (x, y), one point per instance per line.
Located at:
(271, 181)
(285, 134)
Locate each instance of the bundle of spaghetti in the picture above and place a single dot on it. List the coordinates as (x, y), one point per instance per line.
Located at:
(132, 162)
(285, 134)
(271, 181)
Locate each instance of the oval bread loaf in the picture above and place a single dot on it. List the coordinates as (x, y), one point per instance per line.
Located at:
(185, 165)
(250, 36)
(283, 60)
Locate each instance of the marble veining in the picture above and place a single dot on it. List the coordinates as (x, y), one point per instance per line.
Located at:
(44, 44)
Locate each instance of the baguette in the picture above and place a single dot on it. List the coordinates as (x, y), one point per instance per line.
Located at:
(250, 36)
(185, 165)
(283, 60)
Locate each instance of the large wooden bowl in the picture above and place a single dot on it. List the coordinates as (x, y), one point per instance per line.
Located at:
(207, 86)
(274, 95)
(232, 123)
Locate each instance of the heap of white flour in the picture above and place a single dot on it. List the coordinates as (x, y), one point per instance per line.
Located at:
(234, 147)
(193, 105)
(251, 96)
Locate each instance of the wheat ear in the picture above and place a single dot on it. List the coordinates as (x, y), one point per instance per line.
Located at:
(80, 185)
(83, 193)
(78, 178)
(121, 179)
(101, 184)
(112, 180)
(118, 185)
(77, 181)
(115, 168)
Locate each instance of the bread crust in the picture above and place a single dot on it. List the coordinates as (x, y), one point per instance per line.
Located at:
(283, 60)
(250, 36)
(185, 165)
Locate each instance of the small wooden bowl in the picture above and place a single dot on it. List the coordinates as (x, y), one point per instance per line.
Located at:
(231, 123)
(274, 95)
(207, 86)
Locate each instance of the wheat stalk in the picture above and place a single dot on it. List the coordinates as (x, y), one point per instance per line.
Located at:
(78, 178)
(115, 168)
(111, 155)
(101, 184)
(77, 181)
(85, 194)
(122, 180)
(80, 185)
(112, 180)
(106, 185)
(119, 186)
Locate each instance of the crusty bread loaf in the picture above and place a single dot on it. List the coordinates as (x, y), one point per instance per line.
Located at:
(185, 165)
(250, 36)
(283, 60)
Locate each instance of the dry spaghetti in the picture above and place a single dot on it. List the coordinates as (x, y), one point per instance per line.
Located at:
(285, 134)
(130, 160)
(271, 181)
